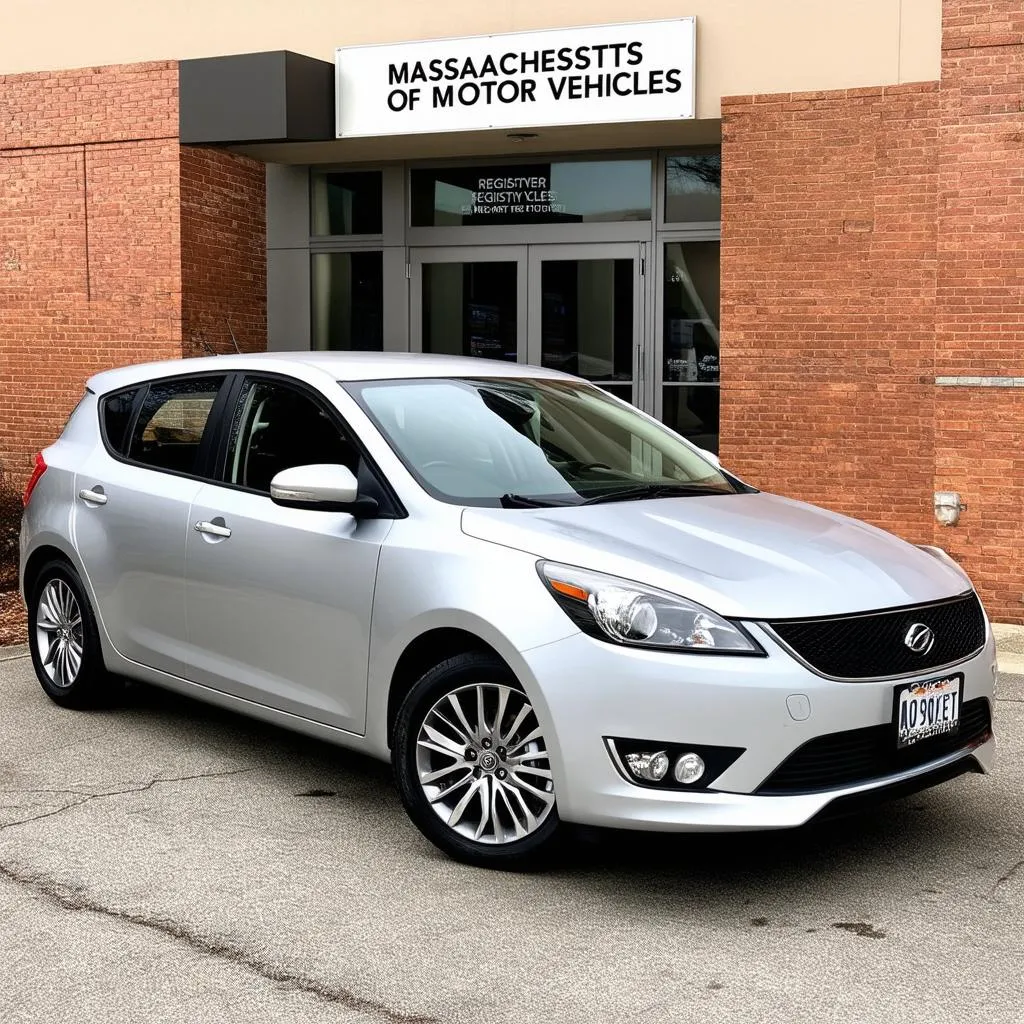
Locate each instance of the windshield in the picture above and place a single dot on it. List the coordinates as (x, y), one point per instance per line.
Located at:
(522, 443)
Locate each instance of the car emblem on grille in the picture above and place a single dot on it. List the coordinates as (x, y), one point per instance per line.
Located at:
(919, 638)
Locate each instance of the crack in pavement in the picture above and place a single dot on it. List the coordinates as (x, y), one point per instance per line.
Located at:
(67, 897)
(1007, 875)
(88, 796)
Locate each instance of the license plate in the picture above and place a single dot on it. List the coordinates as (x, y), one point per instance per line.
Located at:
(923, 711)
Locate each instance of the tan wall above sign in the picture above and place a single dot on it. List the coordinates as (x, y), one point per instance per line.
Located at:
(743, 46)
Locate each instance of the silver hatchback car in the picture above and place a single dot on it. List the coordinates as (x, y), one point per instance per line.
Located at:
(540, 604)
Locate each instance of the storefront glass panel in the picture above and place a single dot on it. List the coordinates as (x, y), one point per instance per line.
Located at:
(348, 301)
(346, 203)
(690, 340)
(693, 412)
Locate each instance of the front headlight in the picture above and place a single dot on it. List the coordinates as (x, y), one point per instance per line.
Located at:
(609, 608)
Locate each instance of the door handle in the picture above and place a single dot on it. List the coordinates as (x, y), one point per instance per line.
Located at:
(93, 497)
(213, 529)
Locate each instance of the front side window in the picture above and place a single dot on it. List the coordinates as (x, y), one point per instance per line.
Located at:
(169, 431)
(276, 427)
(519, 443)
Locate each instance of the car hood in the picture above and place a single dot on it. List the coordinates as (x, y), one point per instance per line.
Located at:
(743, 555)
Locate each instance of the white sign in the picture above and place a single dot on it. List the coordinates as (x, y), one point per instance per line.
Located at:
(597, 75)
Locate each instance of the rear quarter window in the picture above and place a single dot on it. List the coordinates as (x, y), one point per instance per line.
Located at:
(115, 415)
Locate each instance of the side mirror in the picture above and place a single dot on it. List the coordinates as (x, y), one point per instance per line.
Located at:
(711, 457)
(323, 488)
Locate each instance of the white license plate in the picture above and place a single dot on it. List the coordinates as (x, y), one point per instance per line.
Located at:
(925, 710)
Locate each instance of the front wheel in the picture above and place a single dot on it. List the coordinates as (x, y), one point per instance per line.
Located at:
(472, 765)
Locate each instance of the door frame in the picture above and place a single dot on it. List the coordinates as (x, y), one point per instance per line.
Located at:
(420, 255)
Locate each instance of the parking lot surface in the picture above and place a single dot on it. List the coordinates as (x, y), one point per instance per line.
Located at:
(163, 860)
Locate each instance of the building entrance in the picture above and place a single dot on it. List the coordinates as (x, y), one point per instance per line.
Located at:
(577, 308)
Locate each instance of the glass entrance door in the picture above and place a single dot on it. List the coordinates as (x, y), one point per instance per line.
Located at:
(575, 308)
(469, 301)
(585, 313)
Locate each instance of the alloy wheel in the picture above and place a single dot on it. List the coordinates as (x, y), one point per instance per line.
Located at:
(483, 764)
(59, 636)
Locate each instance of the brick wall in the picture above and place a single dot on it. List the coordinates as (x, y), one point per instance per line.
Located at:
(872, 240)
(828, 285)
(980, 291)
(89, 275)
(223, 252)
(117, 245)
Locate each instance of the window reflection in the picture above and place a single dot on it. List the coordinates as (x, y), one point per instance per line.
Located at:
(693, 188)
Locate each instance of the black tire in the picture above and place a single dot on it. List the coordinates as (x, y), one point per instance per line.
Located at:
(532, 851)
(91, 685)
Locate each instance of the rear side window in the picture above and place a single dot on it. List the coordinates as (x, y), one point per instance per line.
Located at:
(171, 423)
(116, 414)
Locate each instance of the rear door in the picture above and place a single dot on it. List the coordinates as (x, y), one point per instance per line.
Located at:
(278, 600)
(130, 518)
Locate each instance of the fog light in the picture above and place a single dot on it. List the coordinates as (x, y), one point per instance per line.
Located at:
(689, 768)
(652, 767)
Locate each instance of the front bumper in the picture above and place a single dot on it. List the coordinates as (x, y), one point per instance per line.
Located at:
(584, 690)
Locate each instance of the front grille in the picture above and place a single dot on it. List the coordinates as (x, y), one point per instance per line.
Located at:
(862, 755)
(873, 646)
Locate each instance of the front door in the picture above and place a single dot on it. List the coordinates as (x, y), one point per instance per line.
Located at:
(576, 308)
(277, 600)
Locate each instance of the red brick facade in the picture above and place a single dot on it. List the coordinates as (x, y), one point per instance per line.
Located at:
(872, 242)
(117, 245)
(223, 253)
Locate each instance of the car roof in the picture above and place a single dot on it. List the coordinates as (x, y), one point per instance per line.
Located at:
(342, 366)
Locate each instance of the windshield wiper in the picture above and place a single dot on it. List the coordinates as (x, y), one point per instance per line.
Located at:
(642, 491)
(521, 501)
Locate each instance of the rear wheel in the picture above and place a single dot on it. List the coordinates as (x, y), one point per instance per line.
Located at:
(472, 765)
(63, 639)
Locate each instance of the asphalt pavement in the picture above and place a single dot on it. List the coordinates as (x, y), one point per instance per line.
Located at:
(163, 860)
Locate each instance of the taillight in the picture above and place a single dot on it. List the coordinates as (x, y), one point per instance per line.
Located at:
(37, 471)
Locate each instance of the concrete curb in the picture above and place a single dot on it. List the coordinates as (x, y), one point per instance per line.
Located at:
(1010, 647)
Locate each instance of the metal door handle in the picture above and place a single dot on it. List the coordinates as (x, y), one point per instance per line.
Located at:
(213, 529)
(95, 497)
